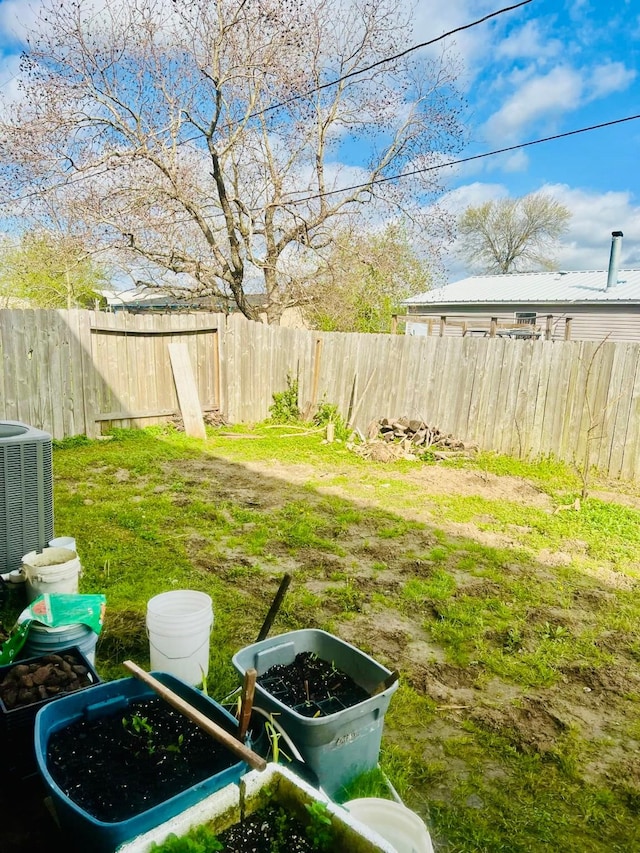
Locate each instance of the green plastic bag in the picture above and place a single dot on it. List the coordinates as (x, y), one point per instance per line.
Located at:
(54, 610)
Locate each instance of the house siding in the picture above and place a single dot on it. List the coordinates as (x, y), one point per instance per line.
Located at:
(613, 322)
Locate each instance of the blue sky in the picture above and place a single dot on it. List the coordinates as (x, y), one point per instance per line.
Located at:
(546, 68)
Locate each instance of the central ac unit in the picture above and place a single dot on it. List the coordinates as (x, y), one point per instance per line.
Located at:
(26, 492)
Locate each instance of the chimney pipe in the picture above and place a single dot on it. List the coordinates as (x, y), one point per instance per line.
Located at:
(614, 258)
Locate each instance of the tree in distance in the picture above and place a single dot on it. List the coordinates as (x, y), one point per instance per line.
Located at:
(513, 235)
(202, 139)
(45, 270)
(364, 279)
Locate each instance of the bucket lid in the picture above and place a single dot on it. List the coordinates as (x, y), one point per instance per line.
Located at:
(75, 627)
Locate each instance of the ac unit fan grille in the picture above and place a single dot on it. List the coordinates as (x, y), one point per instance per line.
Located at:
(26, 497)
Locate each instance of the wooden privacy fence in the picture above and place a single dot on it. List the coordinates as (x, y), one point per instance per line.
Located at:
(73, 372)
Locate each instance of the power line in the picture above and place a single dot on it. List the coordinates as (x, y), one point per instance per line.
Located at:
(413, 172)
(389, 59)
(373, 65)
(335, 82)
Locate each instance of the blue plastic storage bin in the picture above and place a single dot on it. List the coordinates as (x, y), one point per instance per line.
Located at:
(339, 746)
(103, 700)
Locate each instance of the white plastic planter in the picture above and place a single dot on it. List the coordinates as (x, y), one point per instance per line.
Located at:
(255, 790)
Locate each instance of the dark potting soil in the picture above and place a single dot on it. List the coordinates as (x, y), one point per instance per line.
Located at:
(312, 686)
(268, 830)
(118, 766)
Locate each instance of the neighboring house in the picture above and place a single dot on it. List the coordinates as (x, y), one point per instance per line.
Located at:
(585, 306)
(144, 300)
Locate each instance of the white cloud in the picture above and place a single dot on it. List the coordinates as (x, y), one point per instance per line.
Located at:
(610, 77)
(472, 194)
(17, 19)
(539, 98)
(587, 244)
(529, 42)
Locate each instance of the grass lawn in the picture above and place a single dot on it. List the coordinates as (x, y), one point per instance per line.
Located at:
(510, 609)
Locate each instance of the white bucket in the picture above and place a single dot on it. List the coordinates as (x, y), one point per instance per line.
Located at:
(179, 625)
(63, 542)
(53, 570)
(401, 827)
(45, 640)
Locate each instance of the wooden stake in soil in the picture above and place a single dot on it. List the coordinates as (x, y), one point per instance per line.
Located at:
(252, 758)
(246, 704)
(386, 682)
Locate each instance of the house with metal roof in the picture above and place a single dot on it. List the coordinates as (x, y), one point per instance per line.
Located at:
(590, 305)
(145, 299)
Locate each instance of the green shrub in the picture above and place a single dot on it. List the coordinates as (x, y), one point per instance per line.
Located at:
(284, 409)
(328, 413)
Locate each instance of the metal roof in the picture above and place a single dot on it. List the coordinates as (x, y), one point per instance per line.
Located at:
(589, 286)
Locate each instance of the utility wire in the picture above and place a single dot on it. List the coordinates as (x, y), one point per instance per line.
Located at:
(388, 59)
(469, 159)
(451, 163)
(413, 172)
(335, 82)
(298, 97)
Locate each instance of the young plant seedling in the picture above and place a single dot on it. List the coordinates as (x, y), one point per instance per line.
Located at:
(274, 739)
(319, 827)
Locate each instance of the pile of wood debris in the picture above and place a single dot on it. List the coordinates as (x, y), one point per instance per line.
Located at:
(389, 439)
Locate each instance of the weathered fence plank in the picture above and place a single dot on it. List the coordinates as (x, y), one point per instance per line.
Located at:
(631, 455)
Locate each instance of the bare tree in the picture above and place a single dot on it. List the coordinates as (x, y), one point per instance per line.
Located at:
(512, 235)
(201, 137)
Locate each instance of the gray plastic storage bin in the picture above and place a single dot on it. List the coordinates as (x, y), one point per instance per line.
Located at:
(338, 746)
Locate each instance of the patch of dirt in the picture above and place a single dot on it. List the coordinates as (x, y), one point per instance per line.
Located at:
(530, 724)
(608, 681)
(433, 479)
(394, 640)
(613, 579)
(617, 497)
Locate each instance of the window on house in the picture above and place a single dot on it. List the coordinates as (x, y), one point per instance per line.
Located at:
(526, 317)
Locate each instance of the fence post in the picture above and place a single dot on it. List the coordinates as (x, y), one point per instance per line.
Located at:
(316, 376)
(567, 328)
(548, 333)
